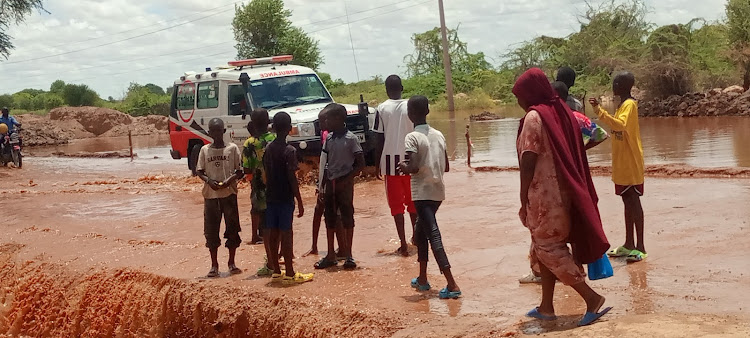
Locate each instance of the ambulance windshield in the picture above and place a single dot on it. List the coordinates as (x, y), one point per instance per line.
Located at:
(289, 91)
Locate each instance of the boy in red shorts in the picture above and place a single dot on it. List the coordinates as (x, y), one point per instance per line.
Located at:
(392, 125)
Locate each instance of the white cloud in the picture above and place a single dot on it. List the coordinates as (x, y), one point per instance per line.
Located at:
(381, 33)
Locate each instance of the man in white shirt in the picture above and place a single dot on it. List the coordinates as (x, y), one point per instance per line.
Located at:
(392, 124)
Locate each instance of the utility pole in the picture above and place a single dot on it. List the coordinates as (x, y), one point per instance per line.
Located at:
(351, 41)
(447, 63)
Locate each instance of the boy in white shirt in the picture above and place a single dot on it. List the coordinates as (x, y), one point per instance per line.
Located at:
(392, 125)
(426, 161)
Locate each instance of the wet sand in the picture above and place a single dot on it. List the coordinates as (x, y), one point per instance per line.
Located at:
(120, 252)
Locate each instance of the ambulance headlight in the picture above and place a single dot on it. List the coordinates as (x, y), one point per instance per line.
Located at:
(306, 129)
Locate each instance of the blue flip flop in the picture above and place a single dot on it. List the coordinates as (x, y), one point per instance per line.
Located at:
(534, 313)
(447, 294)
(415, 284)
(591, 317)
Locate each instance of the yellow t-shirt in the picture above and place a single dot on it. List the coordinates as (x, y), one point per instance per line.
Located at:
(627, 151)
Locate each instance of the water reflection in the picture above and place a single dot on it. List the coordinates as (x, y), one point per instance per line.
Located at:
(640, 292)
(104, 144)
(701, 142)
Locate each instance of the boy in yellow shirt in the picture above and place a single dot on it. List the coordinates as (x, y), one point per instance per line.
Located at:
(627, 163)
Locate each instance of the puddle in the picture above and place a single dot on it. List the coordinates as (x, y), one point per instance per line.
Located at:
(140, 207)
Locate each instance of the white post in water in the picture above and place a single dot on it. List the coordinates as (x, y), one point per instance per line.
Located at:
(447, 63)
(130, 140)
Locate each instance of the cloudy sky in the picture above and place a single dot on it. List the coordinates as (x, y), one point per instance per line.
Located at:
(109, 43)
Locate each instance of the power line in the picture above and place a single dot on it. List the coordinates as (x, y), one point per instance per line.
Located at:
(182, 24)
(130, 71)
(370, 17)
(121, 61)
(203, 47)
(143, 27)
(118, 41)
(351, 40)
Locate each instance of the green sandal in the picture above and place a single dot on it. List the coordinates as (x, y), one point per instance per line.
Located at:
(636, 256)
(620, 252)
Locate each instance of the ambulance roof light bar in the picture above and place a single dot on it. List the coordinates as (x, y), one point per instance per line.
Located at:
(281, 59)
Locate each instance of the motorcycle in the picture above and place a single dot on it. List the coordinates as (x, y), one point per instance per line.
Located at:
(10, 148)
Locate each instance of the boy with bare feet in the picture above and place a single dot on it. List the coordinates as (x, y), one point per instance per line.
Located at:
(280, 164)
(426, 161)
(627, 164)
(392, 125)
(345, 161)
(219, 166)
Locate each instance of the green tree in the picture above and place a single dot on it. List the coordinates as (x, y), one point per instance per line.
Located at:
(6, 100)
(329, 82)
(263, 28)
(542, 52)
(32, 92)
(57, 87)
(79, 95)
(427, 57)
(144, 100)
(22, 100)
(48, 101)
(14, 12)
(665, 69)
(738, 23)
(710, 57)
(154, 89)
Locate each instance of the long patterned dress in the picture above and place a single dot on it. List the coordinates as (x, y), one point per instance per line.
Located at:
(547, 214)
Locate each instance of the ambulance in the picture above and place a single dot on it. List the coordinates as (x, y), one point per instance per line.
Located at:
(231, 92)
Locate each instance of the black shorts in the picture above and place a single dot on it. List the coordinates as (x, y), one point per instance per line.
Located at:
(213, 211)
(339, 202)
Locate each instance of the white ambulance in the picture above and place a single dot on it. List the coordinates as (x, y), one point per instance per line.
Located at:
(231, 92)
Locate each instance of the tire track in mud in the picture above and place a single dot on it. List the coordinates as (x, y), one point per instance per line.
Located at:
(48, 299)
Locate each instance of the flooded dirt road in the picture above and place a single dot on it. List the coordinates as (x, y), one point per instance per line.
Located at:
(112, 248)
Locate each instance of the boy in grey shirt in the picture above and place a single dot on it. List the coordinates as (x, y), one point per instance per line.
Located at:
(426, 161)
(345, 161)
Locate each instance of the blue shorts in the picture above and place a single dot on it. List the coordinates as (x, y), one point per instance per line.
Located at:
(279, 216)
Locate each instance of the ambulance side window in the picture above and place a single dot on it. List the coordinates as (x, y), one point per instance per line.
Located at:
(185, 98)
(237, 103)
(208, 95)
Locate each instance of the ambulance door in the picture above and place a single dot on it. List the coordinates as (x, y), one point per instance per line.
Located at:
(238, 114)
(207, 103)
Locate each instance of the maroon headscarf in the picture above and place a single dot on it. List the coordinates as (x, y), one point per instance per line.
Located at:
(566, 144)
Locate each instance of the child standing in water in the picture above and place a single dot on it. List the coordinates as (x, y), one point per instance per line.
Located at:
(627, 164)
(219, 166)
(280, 163)
(426, 161)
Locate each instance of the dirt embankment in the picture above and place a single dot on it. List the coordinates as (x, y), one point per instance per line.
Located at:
(732, 101)
(69, 123)
(45, 299)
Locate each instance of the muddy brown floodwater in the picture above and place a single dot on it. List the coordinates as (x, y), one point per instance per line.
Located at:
(106, 247)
